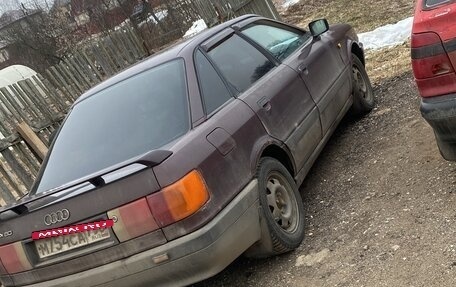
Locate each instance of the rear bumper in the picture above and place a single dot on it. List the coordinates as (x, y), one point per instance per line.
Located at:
(186, 260)
(440, 113)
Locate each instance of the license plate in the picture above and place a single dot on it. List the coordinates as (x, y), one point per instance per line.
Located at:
(56, 245)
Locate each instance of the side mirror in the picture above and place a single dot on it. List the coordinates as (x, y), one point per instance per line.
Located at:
(318, 27)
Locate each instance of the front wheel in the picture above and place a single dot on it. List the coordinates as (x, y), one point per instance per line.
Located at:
(363, 94)
(281, 207)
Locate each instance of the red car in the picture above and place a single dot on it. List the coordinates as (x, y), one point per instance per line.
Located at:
(434, 62)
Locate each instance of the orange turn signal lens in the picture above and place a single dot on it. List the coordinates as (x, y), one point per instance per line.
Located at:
(179, 200)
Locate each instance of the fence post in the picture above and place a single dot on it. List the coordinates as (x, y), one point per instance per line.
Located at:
(34, 142)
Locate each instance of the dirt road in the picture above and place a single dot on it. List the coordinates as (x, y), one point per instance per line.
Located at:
(380, 207)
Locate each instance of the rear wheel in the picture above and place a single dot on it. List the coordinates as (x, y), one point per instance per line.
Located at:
(363, 94)
(282, 209)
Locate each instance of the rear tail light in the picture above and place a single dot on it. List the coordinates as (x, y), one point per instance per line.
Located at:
(425, 39)
(13, 258)
(431, 66)
(160, 209)
(2, 268)
(179, 200)
(132, 220)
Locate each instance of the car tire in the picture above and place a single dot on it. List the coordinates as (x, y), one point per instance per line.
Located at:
(363, 94)
(281, 207)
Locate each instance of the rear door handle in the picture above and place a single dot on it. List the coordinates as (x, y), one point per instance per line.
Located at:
(303, 69)
(264, 103)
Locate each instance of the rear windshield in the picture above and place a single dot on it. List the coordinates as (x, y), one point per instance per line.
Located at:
(432, 3)
(123, 121)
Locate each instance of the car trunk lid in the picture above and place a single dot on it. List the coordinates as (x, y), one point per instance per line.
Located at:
(119, 193)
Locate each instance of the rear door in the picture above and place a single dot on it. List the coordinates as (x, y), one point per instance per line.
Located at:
(275, 92)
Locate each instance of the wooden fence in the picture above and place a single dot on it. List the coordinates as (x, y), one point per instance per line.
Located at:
(216, 11)
(32, 109)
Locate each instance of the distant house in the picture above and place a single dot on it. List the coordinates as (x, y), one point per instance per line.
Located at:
(95, 16)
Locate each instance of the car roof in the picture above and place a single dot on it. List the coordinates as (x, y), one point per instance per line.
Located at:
(163, 56)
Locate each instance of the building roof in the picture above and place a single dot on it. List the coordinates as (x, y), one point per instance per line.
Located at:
(12, 16)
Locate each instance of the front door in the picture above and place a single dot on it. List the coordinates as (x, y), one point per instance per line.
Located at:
(326, 76)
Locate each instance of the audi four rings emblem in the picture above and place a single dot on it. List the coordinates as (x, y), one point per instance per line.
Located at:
(56, 217)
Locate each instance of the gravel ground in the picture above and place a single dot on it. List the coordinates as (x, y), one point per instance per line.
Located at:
(379, 203)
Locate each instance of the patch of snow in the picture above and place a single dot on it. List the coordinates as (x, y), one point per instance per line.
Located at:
(196, 28)
(288, 3)
(387, 36)
(160, 16)
(121, 25)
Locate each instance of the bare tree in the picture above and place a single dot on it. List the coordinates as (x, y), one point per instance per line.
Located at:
(35, 33)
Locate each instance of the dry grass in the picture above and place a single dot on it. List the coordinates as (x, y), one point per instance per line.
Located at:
(364, 15)
(387, 63)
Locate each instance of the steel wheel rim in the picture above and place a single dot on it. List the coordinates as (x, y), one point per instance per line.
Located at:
(282, 202)
(361, 83)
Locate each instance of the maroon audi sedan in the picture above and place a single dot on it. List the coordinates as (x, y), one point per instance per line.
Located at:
(167, 172)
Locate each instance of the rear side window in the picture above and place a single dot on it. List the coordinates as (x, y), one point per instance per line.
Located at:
(128, 119)
(280, 42)
(240, 63)
(432, 3)
(213, 90)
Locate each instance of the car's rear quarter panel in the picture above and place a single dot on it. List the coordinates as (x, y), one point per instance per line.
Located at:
(225, 175)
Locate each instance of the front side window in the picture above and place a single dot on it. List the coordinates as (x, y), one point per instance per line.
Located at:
(240, 63)
(279, 42)
(137, 115)
(213, 89)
